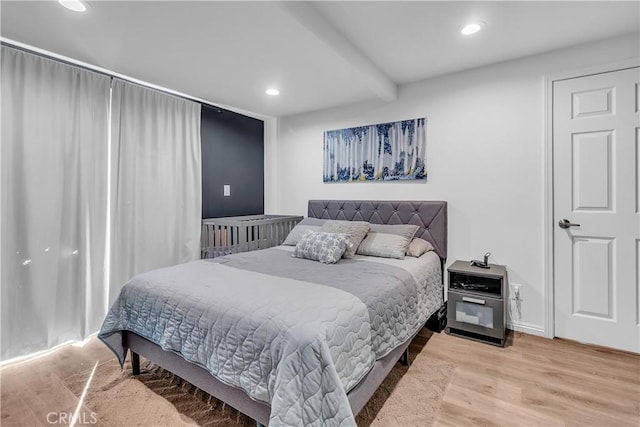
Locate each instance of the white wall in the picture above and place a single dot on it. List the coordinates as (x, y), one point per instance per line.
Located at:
(485, 156)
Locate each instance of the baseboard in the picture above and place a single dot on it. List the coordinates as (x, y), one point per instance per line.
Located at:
(526, 328)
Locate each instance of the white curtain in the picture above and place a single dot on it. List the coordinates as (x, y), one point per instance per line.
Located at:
(53, 200)
(156, 181)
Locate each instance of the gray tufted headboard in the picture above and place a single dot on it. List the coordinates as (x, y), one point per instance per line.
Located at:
(430, 216)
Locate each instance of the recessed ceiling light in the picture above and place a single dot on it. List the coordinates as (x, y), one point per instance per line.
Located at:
(272, 91)
(472, 28)
(75, 5)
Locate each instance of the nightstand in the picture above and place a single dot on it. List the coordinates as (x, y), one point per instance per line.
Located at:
(476, 303)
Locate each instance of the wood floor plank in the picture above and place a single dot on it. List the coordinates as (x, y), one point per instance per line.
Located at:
(494, 387)
(499, 410)
(453, 415)
(572, 410)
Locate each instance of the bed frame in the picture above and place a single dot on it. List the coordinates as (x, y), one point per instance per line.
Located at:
(430, 216)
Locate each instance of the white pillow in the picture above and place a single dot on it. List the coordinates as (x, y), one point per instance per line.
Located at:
(384, 245)
(419, 247)
(407, 230)
(355, 229)
(307, 224)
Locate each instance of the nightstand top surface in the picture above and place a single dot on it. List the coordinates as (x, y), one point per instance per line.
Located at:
(465, 267)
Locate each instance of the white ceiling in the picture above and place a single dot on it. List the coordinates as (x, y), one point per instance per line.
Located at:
(319, 54)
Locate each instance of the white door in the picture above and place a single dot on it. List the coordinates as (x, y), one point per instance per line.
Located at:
(596, 151)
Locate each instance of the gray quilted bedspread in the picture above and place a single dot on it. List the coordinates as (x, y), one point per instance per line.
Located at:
(294, 333)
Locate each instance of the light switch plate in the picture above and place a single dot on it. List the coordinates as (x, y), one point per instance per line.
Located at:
(227, 190)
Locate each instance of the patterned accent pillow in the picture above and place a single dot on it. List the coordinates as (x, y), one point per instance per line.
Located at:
(307, 224)
(384, 245)
(320, 246)
(419, 247)
(356, 230)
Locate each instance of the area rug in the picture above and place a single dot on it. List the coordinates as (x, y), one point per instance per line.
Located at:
(409, 396)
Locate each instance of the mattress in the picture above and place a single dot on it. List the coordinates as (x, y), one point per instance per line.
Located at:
(293, 333)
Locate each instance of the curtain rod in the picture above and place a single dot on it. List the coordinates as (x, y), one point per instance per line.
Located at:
(103, 71)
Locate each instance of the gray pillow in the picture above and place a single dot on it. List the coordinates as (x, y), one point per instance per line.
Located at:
(307, 224)
(407, 230)
(384, 245)
(356, 230)
(313, 221)
(419, 247)
(320, 246)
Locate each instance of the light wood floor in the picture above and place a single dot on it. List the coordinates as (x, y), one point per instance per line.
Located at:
(538, 382)
(532, 382)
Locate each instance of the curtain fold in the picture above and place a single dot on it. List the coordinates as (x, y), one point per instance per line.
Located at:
(81, 212)
(156, 182)
(53, 200)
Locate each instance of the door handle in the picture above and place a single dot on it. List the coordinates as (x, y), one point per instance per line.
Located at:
(565, 223)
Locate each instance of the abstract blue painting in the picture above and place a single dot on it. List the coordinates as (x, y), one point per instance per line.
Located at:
(383, 152)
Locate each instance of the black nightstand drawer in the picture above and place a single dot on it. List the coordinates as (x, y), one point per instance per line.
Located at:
(479, 314)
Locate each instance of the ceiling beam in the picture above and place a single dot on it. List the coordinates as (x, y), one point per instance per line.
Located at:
(307, 15)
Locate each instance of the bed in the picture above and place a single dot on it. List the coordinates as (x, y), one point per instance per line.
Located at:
(283, 341)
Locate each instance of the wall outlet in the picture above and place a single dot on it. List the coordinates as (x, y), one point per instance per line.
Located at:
(227, 190)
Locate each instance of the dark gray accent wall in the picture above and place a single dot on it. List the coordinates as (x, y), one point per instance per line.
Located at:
(232, 154)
